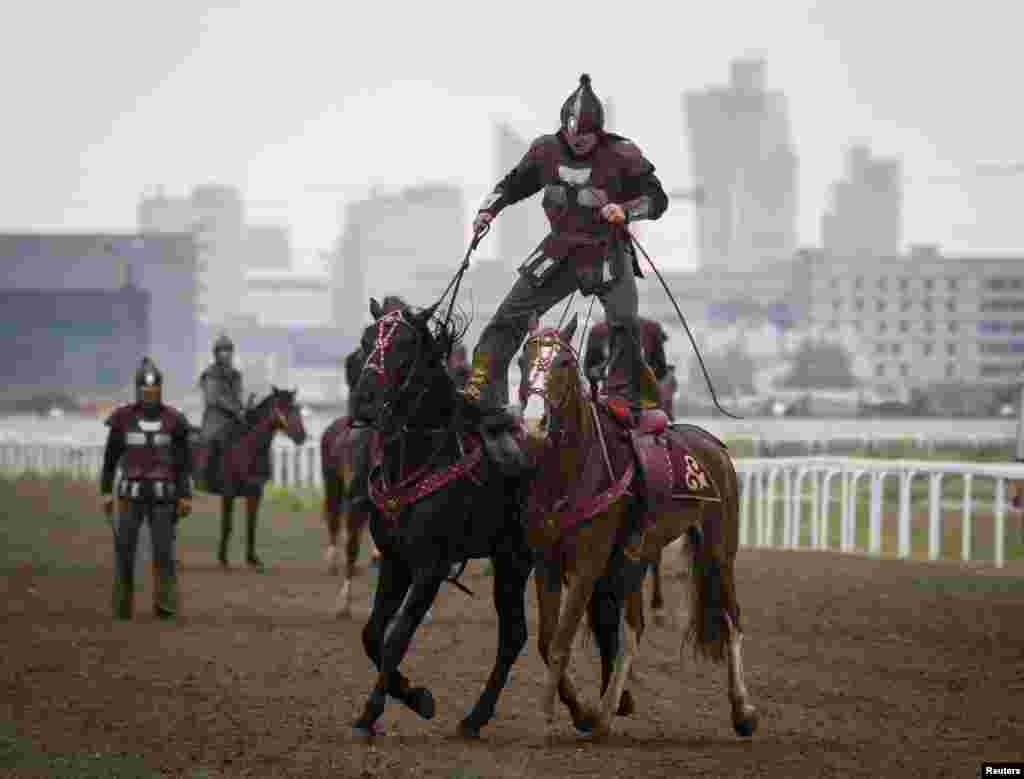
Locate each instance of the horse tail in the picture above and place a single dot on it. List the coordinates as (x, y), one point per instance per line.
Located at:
(712, 583)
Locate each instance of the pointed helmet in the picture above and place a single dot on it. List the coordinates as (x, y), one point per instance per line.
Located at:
(582, 112)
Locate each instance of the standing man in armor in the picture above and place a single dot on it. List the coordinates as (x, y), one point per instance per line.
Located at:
(223, 408)
(652, 341)
(594, 183)
(150, 442)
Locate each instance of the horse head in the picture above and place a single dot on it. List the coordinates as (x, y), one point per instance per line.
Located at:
(551, 370)
(284, 414)
(403, 360)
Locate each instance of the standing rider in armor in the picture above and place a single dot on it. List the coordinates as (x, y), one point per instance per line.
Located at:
(594, 183)
(223, 408)
(149, 440)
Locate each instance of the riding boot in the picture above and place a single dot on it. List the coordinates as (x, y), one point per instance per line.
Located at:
(486, 398)
(630, 377)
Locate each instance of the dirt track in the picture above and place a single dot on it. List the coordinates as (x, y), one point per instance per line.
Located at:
(859, 668)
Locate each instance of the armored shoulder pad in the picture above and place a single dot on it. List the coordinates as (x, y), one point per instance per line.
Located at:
(120, 416)
(630, 157)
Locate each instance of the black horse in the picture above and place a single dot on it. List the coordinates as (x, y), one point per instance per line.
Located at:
(438, 502)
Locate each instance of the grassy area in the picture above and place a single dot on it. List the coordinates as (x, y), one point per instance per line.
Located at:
(18, 753)
(891, 450)
(53, 523)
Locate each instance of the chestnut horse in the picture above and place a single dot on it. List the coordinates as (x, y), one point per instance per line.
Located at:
(581, 515)
(666, 401)
(247, 464)
(336, 445)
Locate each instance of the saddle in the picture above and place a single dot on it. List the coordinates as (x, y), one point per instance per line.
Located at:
(667, 471)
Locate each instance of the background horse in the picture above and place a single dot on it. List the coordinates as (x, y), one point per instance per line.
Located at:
(667, 388)
(337, 469)
(247, 464)
(439, 500)
(580, 511)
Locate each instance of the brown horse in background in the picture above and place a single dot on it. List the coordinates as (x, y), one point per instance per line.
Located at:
(337, 470)
(247, 468)
(579, 516)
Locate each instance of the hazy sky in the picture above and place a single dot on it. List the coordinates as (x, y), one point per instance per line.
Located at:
(105, 100)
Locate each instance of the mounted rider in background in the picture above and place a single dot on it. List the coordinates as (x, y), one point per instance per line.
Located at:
(223, 408)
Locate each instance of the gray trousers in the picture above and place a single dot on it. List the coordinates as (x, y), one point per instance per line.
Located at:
(161, 516)
(504, 334)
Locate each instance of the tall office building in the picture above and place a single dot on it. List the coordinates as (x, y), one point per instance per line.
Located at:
(743, 158)
(867, 208)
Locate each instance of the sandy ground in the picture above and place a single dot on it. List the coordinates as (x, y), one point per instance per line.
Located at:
(859, 668)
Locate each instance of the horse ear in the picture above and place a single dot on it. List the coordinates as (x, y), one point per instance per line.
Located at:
(534, 323)
(375, 309)
(273, 390)
(569, 330)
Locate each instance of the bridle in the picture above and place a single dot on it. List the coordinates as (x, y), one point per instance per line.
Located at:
(387, 328)
(547, 338)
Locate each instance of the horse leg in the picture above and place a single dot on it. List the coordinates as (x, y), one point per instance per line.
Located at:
(392, 648)
(227, 510)
(332, 518)
(605, 618)
(512, 566)
(252, 513)
(549, 606)
(633, 571)
(657, 599)
(354, 524)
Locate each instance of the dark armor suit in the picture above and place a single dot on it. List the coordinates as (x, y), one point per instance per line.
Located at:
(149, 440)
(223, 408)
(584, 250)
(598, 359)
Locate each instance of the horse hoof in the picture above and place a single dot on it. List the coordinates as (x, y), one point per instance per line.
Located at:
(421, 700)
(627, 706)
(585, 724)
(468, 730)
(365, 731)
(746, 724)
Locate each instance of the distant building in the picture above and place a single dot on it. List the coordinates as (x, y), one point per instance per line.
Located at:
(268, 247)
(390, 242)
(867, 208)
(929, 319)
(742, 156)
(72, 341)
(287, 299)
(161, 266)
(215, 215)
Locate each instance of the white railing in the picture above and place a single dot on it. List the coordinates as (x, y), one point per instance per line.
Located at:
(803, 487)
(798, 480)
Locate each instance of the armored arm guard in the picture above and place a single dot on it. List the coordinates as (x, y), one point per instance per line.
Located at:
(111, 454)
(643, 196)
(524, 180)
